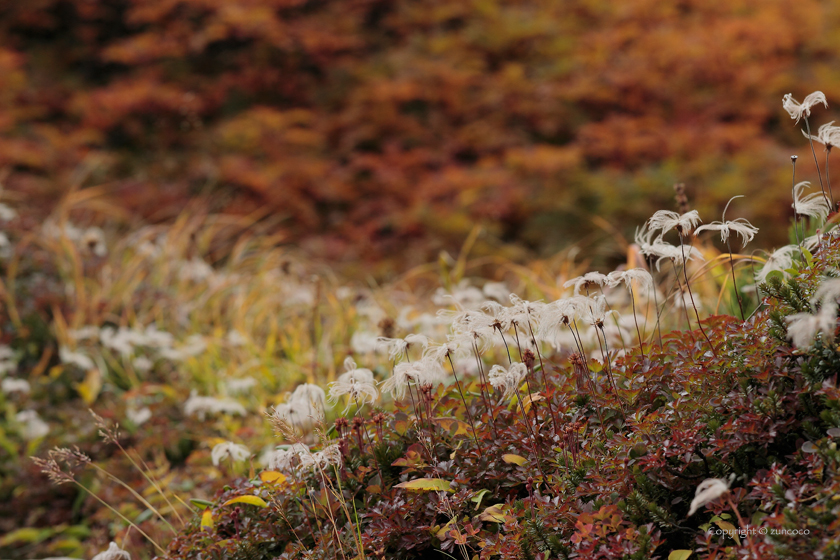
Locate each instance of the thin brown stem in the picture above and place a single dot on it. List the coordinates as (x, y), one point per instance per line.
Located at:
(607, 361)
(744, 525)
(734, 281)
(682, 297)
(636, 320)
(816, 163)
(537, 453)
(498, 328)
(828, 176)
(691, 295)
(481, 388)
(793, 196)
(583, 357)
(466, 407)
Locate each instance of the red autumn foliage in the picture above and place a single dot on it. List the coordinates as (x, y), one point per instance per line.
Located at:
(370, 126)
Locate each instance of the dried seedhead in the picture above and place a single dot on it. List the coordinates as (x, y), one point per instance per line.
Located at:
(108, 432)
(60, 458)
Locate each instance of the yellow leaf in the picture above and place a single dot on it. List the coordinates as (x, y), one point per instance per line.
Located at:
(530, 399)
(401, 426)
(515, 459)
(679, 555)
(272, 477)
(452, 426)
(253, 500)
(730, 530)
(494, 514)
(426, 484)
(207, 520)
(441, 533)
(90, 387)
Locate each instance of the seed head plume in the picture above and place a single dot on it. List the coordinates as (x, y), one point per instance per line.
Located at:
(797, 110)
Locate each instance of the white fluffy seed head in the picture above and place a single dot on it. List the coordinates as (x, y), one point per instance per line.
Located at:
(814, 205)
(640, 276)
(508, 380)
(227, 449)
(827, 135)
(666, 220)
(708, 491)
(797, 110)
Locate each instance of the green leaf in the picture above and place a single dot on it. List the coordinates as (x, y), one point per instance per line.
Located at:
(479, 496)
(144, 515)
(25, 535)
(679, 555)
(200, 503)
(426, 485)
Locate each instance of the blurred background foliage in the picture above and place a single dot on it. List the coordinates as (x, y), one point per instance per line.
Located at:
(365, 129)
(224, 147)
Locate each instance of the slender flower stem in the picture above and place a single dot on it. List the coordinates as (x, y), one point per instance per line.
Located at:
(539, 354)
(816, 163)
(731, 261)
(136, 495)
(533, 436)
(121, 516)
(579, 342)
(548, 395)
(615, 319)
(499, 328)
(334, 533)
(518, 344)
(466, 407)
(636, 320)
(481, 387)
(691, 295)
(146, 474)
(544, 379)
(362, 426)
(734, 282)
(658, 311)
(308, 520)
(793, 196)
(417, 415)
(605, 353)
(429, 416)
(357, 536)
(680, 290)
(417, 412)
(364, 431)
(828, 176)
(744, 525)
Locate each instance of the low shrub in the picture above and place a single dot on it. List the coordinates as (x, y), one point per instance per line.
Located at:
(582, 460)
